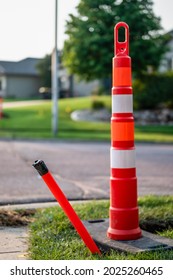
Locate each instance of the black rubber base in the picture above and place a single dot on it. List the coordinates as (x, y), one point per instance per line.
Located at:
(148, 241)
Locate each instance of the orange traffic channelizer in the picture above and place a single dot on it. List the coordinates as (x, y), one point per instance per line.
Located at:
(123, 212)
(42, 169)
(122, 131)
(121, 76)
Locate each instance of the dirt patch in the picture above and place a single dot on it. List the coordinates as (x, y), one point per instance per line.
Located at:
(154, 225)
(17, 217)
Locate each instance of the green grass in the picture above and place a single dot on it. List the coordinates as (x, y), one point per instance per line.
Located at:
(52, 237)
(34, 122)
(154, 133)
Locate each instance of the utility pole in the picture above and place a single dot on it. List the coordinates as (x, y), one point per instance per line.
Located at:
(54, 71)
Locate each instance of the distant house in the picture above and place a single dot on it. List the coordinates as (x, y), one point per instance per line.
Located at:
(19, 79)
(70, 86)
(167, 60)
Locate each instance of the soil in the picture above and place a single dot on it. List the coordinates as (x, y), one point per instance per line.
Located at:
(16, 218)
(155, 225)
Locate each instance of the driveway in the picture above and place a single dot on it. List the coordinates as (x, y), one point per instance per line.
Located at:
(82, 170)
(16, 104)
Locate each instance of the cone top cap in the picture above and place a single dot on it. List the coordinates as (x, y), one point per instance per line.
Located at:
(121, 48)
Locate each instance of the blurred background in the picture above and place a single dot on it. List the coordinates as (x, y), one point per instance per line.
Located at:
(84, 45)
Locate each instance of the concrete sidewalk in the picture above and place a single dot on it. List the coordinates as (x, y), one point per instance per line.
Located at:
(13, 243)
(16, 104)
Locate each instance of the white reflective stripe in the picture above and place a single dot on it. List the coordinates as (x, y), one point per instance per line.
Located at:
(122, 158)
(122, 103)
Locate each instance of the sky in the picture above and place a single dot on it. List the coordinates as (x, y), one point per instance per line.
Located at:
(27, 26)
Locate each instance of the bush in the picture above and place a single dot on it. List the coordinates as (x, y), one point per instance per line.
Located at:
(153, 91)
(97, 104)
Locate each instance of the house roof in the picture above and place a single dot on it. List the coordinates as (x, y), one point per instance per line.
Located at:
(26, 66)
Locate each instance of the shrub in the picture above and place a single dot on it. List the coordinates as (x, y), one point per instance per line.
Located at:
(97, 104)
(153, 90)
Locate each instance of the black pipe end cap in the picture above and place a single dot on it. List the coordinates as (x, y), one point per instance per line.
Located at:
(41, 167)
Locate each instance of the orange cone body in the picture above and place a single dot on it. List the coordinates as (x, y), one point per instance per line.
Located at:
(123, 217)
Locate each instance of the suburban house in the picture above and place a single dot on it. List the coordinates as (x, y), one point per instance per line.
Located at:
(167, 60)
(21, 80)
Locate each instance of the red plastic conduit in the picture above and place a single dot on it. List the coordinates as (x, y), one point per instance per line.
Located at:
(42, 169)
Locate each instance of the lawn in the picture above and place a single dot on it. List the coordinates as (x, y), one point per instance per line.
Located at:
(52, 237)
(34, 122)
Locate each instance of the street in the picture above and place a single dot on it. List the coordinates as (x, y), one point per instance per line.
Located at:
(81, 169)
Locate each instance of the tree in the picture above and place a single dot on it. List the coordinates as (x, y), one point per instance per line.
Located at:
(44, 69)
(147, 45)
(89, 48)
